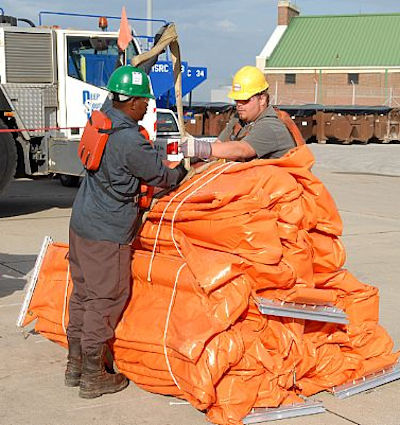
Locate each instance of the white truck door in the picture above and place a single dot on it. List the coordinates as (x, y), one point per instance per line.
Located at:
(85, 64)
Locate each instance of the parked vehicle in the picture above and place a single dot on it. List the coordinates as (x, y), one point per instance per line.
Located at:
(51, 79)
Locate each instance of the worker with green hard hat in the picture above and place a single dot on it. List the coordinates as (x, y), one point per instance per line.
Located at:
(130, 82)
(104, 220)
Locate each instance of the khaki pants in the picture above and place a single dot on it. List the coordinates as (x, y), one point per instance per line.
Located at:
(101, 273)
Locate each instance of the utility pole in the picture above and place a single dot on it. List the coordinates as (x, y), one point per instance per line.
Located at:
(149, 16)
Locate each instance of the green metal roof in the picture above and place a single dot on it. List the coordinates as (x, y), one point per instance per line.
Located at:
(339, 40)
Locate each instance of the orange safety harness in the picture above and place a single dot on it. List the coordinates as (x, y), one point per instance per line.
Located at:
(291, 126)
(91, 149)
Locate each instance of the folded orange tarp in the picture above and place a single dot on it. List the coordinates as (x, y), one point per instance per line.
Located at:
(192, 329)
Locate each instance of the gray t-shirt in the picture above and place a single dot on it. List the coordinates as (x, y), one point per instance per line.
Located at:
(128, 158)
(267, 135)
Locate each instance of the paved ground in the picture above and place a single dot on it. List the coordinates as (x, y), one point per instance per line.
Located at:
(374, 158)
(364, 181)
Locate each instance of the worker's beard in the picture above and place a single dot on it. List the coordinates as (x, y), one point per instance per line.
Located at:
(242, 115)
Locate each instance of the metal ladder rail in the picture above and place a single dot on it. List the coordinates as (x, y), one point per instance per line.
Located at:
(309, 407)
(367, 382)
(320, 313)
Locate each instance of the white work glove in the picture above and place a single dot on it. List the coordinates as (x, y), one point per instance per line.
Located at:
(195, 148)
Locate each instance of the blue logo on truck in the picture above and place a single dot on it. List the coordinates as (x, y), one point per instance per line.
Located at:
(91, 101)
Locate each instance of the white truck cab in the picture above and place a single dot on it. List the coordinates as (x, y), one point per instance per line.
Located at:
(51, 79)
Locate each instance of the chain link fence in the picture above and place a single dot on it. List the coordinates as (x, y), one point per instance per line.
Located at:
(283, 94)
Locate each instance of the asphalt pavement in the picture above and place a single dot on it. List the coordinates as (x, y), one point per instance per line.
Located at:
(365, 183)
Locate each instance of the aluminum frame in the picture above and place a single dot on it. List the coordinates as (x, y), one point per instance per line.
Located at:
(319, 313)
(258, 414)
(367, 382)
(32, 283)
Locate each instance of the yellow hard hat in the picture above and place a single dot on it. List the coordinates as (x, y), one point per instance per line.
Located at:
(247, 82)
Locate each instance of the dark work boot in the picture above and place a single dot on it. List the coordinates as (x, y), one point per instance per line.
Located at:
(95, 380)
(74, 363)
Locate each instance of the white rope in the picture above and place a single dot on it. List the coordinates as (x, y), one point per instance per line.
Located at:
(167, 324)
(225, 167)
(165, 211)
(188, 196)
(65, 302)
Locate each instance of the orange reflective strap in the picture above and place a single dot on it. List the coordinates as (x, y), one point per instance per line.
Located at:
(291, 126)
(145, 134)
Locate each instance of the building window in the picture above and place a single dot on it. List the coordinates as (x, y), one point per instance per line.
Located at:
(352, 78)
(290, 78)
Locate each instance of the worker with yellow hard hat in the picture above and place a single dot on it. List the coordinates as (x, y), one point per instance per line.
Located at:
(255, 131)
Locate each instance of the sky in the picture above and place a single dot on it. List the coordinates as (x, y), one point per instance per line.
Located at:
(222, 35)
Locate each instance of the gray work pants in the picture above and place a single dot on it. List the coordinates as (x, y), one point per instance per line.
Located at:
(101, 274)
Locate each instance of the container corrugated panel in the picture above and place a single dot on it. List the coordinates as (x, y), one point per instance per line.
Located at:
(29, 57)
(339, 40)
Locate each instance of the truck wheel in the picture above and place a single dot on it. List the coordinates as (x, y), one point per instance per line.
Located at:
(69, 181)
(8, 157)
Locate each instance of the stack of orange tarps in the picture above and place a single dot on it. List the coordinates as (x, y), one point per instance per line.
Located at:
(192, 329)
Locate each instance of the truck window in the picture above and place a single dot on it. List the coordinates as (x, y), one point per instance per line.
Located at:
(93, 59)
(166, 122)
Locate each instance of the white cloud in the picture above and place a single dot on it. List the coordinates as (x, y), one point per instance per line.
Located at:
(226, 25)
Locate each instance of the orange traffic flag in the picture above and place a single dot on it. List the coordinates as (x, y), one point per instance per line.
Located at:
(125, 32)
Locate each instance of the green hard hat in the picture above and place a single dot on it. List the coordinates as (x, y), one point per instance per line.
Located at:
(130, 81)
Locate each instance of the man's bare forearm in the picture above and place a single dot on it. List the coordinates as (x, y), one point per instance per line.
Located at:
(234, 150)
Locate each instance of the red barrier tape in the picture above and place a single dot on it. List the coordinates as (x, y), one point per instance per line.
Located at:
(20, 130)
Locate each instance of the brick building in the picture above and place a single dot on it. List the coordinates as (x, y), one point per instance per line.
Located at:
(333, 60)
